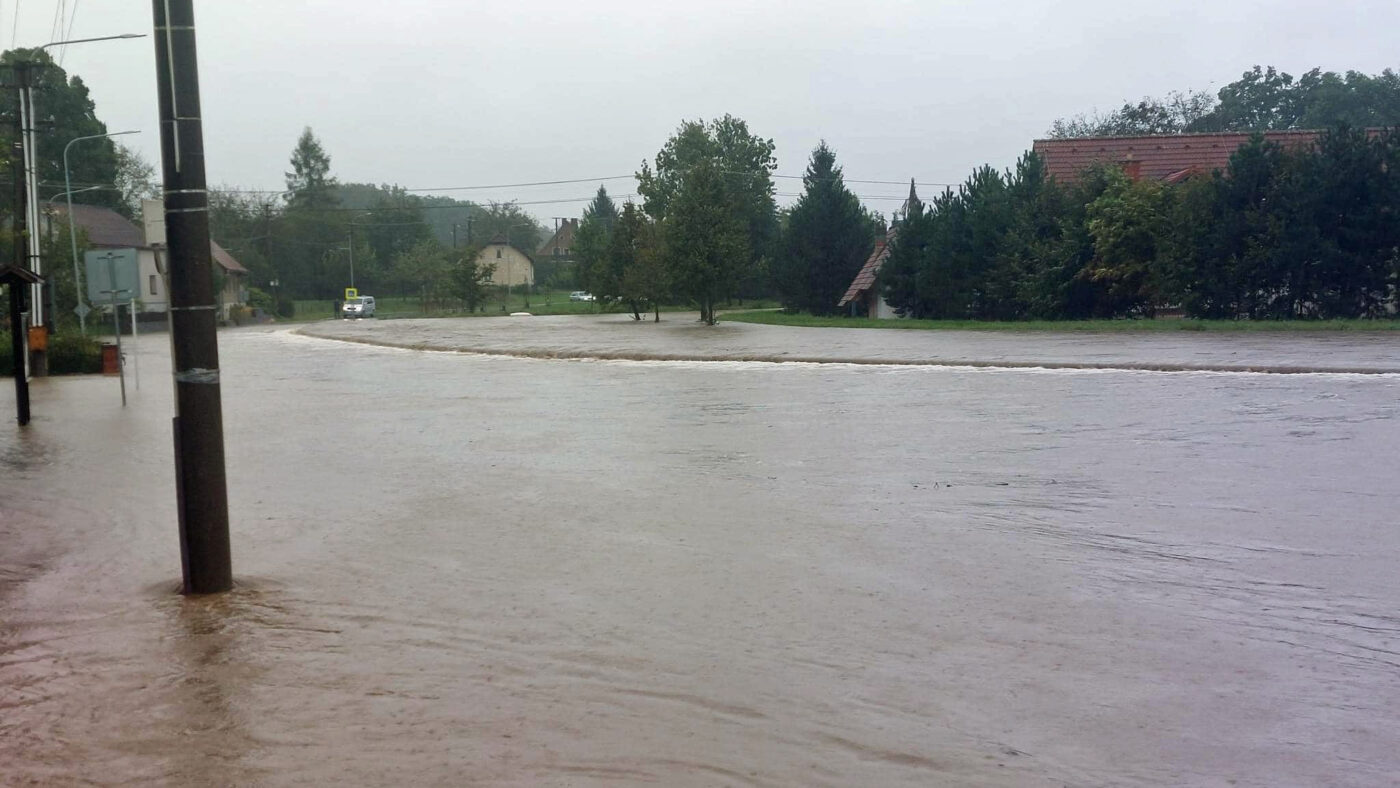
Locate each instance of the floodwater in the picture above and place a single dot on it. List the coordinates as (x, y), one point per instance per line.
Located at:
(469, 569)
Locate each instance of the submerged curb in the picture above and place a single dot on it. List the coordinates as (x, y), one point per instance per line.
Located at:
(592, 355)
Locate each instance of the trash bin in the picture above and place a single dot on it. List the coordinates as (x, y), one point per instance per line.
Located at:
(111, 365)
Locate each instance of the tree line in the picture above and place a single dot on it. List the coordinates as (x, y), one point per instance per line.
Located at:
(1262, 99)
(1281, 233)
(1303, 233)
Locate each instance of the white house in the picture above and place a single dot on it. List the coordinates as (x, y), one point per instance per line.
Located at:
(104, 228)
(513, 266)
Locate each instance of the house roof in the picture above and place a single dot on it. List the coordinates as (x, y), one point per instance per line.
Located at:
(225, 260)
(868, 273)
(107, 229)
(1158, 157)
(104, 227)
(563, 238)
(499, 239)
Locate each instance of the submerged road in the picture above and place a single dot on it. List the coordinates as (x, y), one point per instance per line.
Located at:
(479, 569)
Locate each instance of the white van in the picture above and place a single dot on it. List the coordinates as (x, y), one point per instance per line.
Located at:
(362, 306)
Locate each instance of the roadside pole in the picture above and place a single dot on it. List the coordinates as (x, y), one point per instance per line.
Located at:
(135, 362)
(201, 486)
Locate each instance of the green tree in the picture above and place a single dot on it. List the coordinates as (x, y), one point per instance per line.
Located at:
(471, 280)
(727, 149)
(394, 225)
(426, 271)
(827, 238)
(310, 183)
(506, 218)
(1177, 113)
(632, 261)
(1128, 222)
(63, 101)
(644, 279)
(591, 245)
(135, 180)
(705, 238)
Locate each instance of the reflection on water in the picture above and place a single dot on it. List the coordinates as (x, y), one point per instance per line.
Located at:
(464, 569)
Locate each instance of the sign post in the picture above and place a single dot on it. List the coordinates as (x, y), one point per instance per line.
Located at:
(121, 271)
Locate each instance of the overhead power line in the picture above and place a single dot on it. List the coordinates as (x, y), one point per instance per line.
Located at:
(568, 181)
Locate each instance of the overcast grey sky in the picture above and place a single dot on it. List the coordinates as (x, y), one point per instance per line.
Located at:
(443, 93)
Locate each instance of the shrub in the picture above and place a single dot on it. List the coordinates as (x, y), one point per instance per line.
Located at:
(69, 354)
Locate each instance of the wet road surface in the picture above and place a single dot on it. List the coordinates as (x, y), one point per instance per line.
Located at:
(465, 569)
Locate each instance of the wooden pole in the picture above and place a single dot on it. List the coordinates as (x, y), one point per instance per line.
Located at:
(201, 487)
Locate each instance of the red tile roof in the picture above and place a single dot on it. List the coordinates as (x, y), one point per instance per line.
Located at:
(1165, 157)
(868, 272)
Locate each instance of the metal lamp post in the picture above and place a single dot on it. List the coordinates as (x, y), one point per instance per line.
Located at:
(82, 309)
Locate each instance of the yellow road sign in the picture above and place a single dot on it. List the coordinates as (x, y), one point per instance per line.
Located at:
(350, 293)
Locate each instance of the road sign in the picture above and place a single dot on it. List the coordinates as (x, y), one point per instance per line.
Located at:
(82, 311)
(350, 293)
(113, 275)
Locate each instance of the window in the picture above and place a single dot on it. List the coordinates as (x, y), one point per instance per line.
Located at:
(154, 291)
(498, 254)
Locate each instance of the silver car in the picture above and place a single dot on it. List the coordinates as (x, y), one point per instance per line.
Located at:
(362, 306)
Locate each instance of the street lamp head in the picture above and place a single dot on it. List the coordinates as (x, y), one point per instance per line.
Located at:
(86, 40)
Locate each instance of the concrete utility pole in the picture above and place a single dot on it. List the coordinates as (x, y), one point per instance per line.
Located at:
(201, 487)
(26, 237)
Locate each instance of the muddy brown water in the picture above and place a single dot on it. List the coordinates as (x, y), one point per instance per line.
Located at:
(474, 569)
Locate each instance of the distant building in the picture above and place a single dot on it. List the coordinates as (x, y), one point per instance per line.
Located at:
(513, 266)
(1170, 158)
(863, 296)
(560, 246)
(104, 228)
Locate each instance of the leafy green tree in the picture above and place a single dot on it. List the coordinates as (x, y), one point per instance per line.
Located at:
(1128, 222)
(426, 271)
(1177, 113)
(705, 238)
(644, 279)
(727, 149)
(394, 225)
(63, 101)
(827, 238)
(632, 262)
(471, 280)
(506, 218)
(135, 180)
(1262, 99)
(591, 245)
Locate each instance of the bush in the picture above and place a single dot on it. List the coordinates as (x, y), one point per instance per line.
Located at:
(69, 354)
(261, 299)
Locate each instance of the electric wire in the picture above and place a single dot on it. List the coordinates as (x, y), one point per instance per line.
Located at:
(72, 18)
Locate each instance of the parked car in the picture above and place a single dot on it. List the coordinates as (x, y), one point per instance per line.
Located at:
(581, 295)
(358, 307)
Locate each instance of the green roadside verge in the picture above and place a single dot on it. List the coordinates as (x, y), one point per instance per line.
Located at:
(775, 318)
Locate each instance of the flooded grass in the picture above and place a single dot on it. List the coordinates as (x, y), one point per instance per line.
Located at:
(776, 318)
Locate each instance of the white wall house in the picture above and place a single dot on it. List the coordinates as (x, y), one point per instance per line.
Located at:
(104, 228)
(513, 267)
